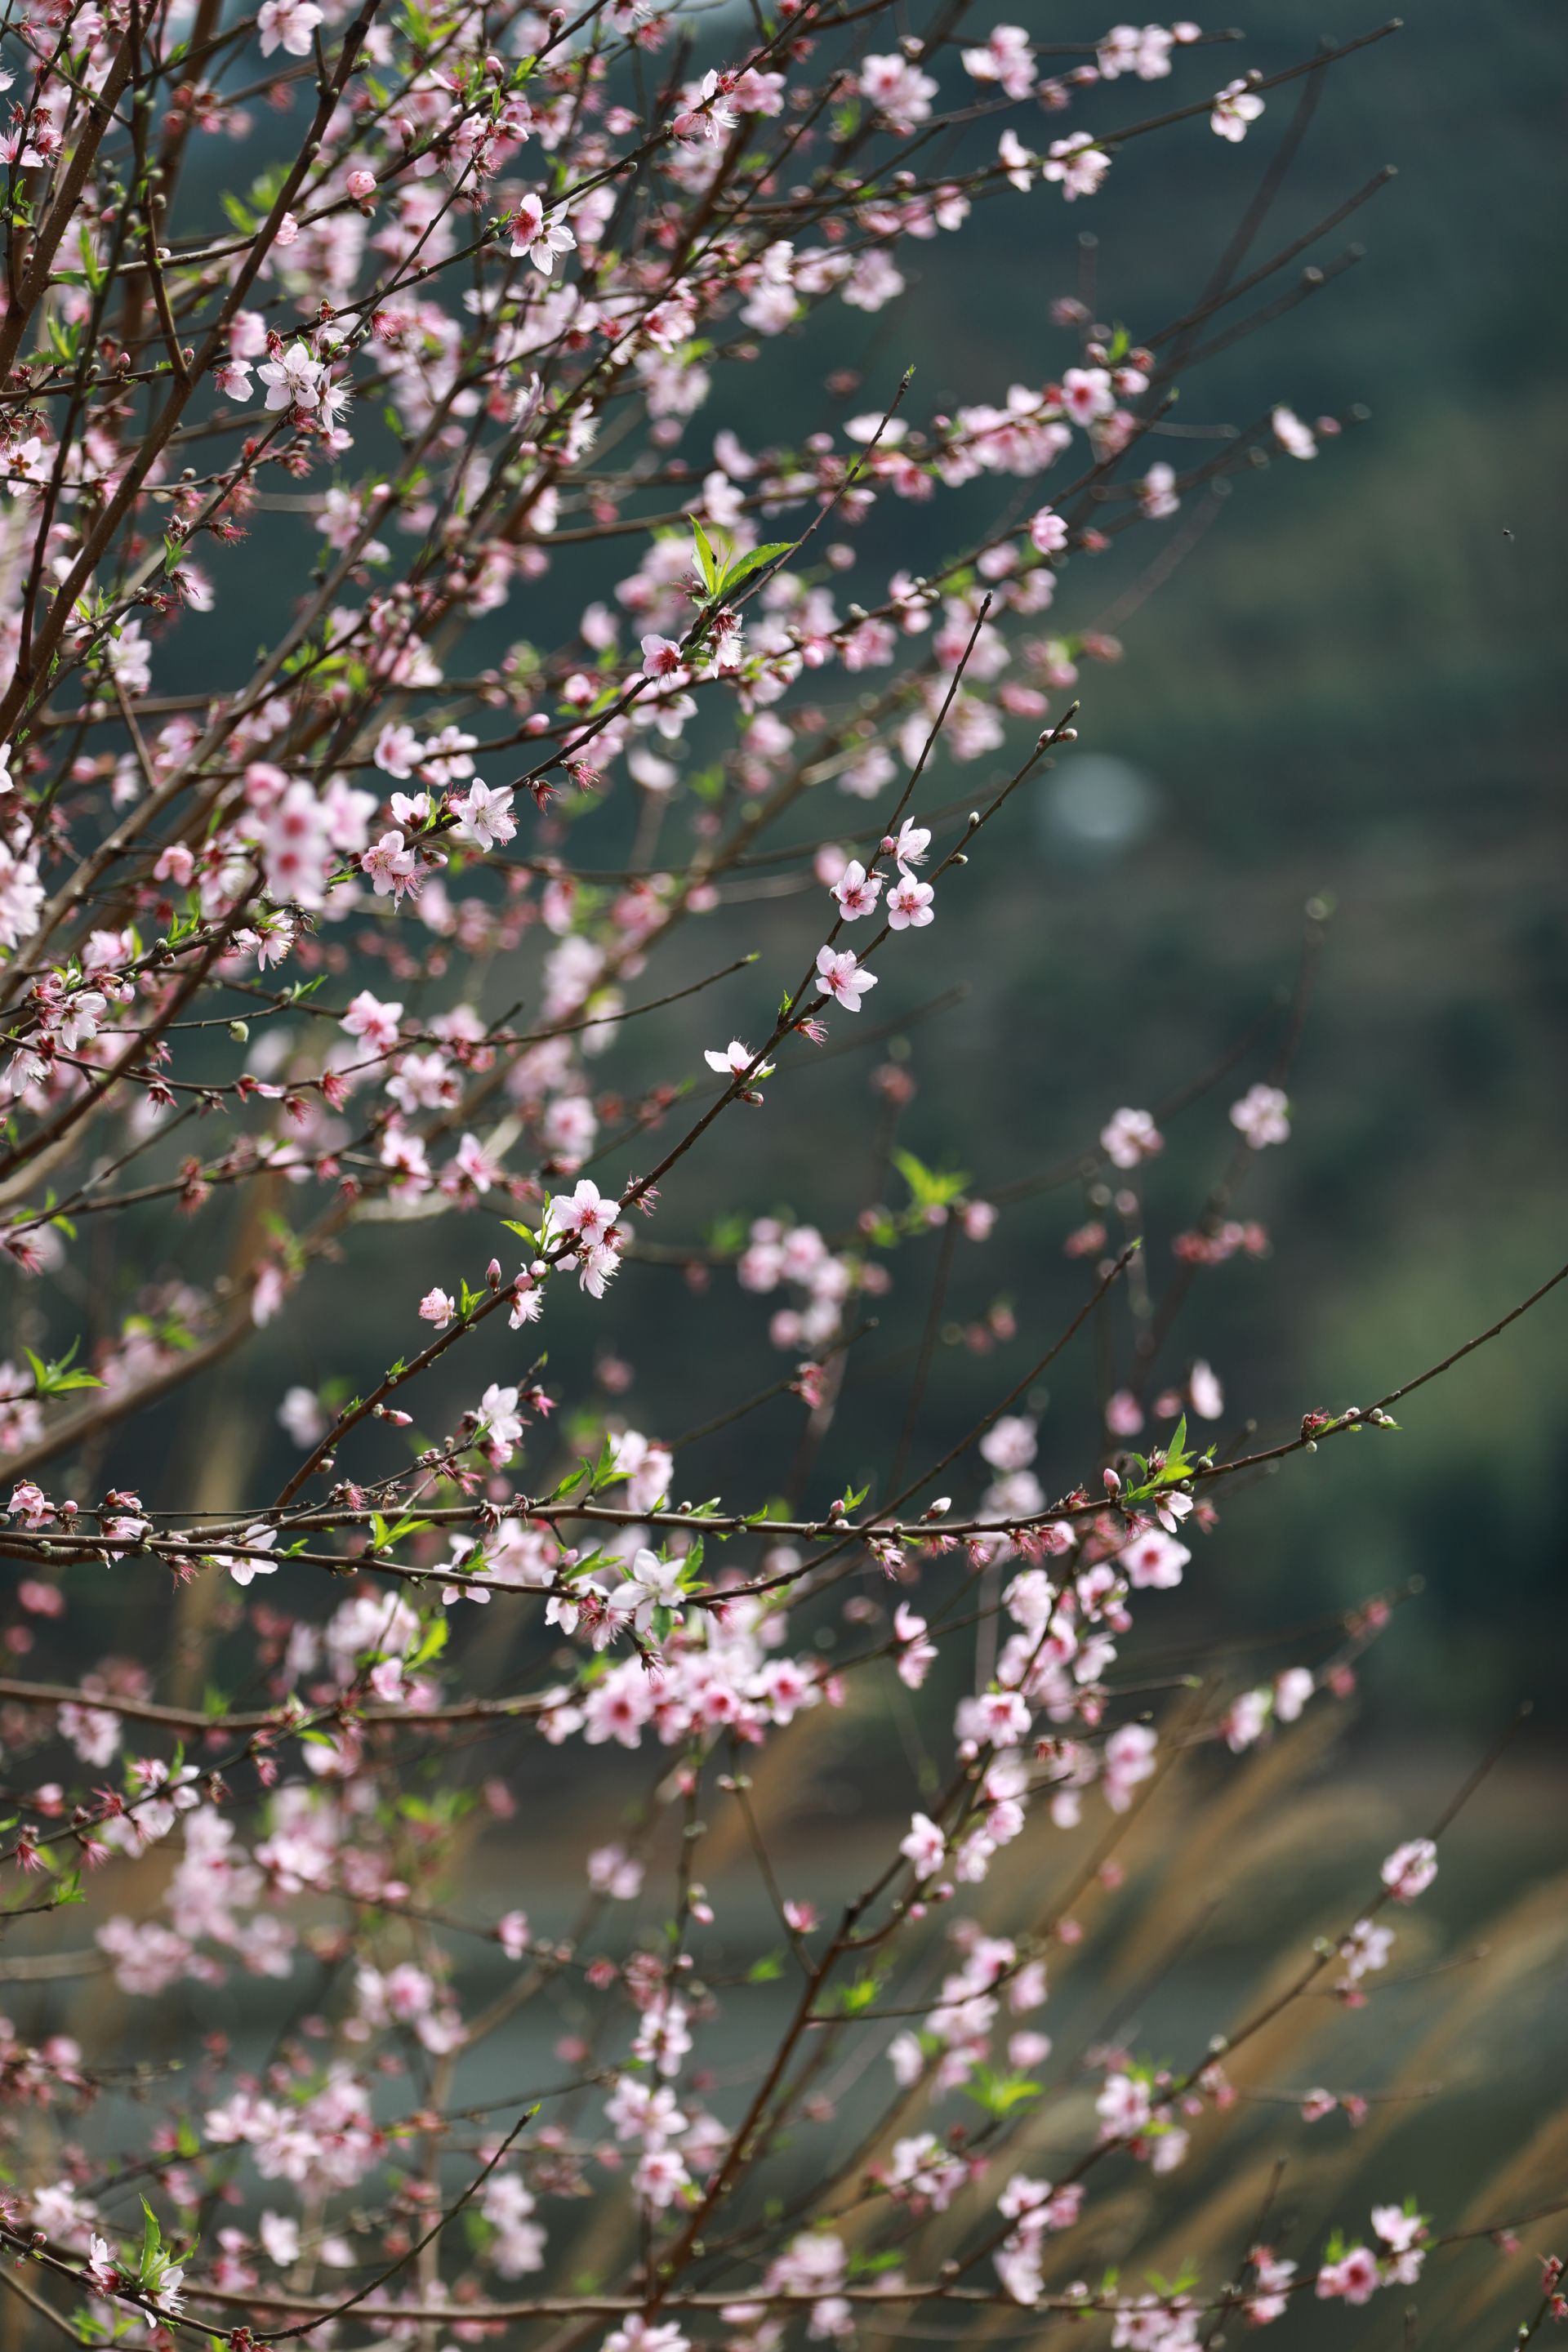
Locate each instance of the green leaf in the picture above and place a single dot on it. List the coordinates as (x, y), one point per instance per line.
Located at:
(56, 1378)
(929, 1187)
(1000, 2094)
(708, 562)
(151, 2240)
(855, 1997)
(435, 1637)
(94, 274)
(744, 565)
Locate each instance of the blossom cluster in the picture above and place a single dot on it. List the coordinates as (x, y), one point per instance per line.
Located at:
(446, 399)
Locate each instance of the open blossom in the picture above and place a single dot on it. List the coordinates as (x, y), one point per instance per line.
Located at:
(1007, 58)
(707, 112)
(286, 23)
(1130, 1136)
(898, 89)
(735, 1061)
(1017, 160)
(260, 1539)
(1262, 1116)
(1153, 1560)
(1355, 2276)
(100, 2265)
(924, 1846)
(232, 378)
(1010, 1442)
(910, 904)
(1235, 107)
(484, 816)
(588, 1220)
(1087, 394)
(295, 380)
(661, 657)
(1141, 49)
(1158, 495)
(30, 1504)
(1077, 164)
(856, 891)
(1048, 532)
(1123, 2107)
(637, 2333)
(917, 1655)
(539, 240)
(1270, 2280)
(390, 865)
(1410, 1869)
(840, 975)
(375, 1023)
(437, 1306)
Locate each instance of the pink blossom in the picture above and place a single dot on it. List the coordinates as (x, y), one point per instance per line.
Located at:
(586, 1216)
(856, 891)
(390, 865)
(1077, 164)
(1123, 1414)
(286, 23)
(898, 89)
(1354, 2276)
(841, 977)
(1271, 2278)
(909, 903)
(661, 657)
(1235, 107)
(735, 1061)
(1123, 2107)
(1153, 1560)
(294, 380)
(1130, 1136)
(1007, 58)
(374, 1022)
(1048, 532)
(259, 1540)
(1292, 1689)
(1410, 1869)
(537, 239)
(1262, 1116)
(484, 816)
(923, 1847)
